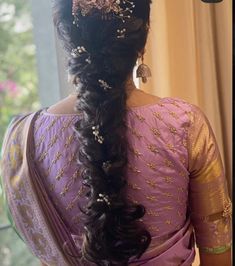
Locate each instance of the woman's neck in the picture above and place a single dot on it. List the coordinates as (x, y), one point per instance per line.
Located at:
(130, 87)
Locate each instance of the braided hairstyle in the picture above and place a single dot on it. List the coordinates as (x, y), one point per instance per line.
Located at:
(113, 235)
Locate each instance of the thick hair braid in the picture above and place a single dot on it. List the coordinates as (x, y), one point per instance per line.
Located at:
(112, 234)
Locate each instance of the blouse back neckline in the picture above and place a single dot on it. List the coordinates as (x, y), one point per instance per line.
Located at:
(130, 109)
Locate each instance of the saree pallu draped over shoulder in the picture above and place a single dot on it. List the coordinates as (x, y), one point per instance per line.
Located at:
(35, 218)
(39, 224)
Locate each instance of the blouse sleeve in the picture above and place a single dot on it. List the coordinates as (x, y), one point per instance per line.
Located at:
(209, 202)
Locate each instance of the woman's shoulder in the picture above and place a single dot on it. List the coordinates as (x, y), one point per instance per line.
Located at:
(171, 104)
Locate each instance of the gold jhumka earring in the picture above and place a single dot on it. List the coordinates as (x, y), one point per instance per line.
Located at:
(143, 71)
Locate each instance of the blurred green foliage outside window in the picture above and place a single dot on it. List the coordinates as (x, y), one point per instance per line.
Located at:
(18, 94)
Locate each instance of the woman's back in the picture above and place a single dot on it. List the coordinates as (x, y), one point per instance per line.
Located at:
(118, 185)
(159, 153)
(157, 171)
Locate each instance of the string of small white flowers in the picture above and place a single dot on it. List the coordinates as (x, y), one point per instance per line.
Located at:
(104, 85)
(96, 133)
(121, 34)
(78, 51)
(104, 198)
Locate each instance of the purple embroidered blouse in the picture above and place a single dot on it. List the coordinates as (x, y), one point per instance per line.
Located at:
(174, 170)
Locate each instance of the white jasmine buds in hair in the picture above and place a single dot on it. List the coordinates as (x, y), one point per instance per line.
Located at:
(104, 198)
(96, 133)
(121, 33)
(76, 52)
(104, 85)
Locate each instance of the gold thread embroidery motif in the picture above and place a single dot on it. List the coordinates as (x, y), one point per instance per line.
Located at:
(158, 115)
(153, 148)
(152, 183)
(156, 132)
(153, 213)
(134, 169)
(134, 186)
(152, 166)
(174, 115)
(151, 198)
(168, 222)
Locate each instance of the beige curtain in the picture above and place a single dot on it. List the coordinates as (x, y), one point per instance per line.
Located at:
(190, 54)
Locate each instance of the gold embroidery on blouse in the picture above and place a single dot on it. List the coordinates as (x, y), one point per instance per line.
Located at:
(173, 130)
(179, 200)
(138, 135)
(51, 124)
(181, 189)
(168, 222)
(136, 152)
(168, 163)
(171, 147)
(168, 179)
(158, 115)
(41, 139)
(134, 169)
(182, 160)
(167, 194)
(152, 166)
(43, 156)
(70, 206)
(53, 141)
(152, 183)
(135, 133)
(152, 213)
(66, 125)
(57, 157)
(70, 182)
(182, 173)
(140, 117)
(151, 198)
(153, 228)
(134, 186)
(173, 114)
(175, 104)
(69, 141)
(79, 194)
(189, 114)
(184, 142)
(64, 191)
(156, 132)
(153, 148)
(71, 158)
(60, 174)
(168, 208)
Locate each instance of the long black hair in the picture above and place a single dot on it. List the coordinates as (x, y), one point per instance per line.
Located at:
(112, 233)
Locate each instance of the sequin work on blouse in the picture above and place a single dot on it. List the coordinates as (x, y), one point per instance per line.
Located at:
(157, 173)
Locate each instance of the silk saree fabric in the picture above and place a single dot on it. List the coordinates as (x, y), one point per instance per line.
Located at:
(174, 170)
